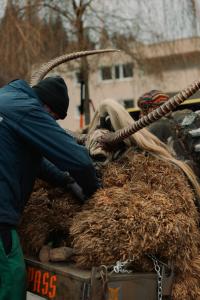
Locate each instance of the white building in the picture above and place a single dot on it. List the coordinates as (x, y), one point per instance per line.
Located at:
(168, 66)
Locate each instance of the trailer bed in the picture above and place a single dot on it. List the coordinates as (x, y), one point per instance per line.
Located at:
(62, 281)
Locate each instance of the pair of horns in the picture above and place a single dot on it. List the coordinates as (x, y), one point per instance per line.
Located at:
(114, 138)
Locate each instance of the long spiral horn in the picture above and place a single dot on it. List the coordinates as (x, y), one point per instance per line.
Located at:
(45, 68)
(111, 139)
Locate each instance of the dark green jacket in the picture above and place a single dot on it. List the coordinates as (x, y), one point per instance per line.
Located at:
(27, 134)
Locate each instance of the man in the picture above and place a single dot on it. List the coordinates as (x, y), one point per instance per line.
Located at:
(174, 128)
(167, 128)
(147, 103)
(30, 133)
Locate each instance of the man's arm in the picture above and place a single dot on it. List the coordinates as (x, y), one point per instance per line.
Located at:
(51, 174)
(41, 131)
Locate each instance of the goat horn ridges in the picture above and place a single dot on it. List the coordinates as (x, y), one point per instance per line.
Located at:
(170, 105)
(46, 67)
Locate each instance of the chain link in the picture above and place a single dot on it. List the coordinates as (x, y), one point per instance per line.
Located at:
(121, 267)
(159, 276)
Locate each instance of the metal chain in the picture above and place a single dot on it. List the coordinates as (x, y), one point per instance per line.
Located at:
(159, 276)
(103, 270)
(121, 267)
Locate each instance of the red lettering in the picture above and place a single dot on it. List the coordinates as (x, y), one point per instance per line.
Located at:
(52, 286)
(37, 281)
(31, 273)
(42, 283)
(45, 283)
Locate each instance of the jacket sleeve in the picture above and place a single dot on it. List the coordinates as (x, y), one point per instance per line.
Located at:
(50, 173)
(41, 131)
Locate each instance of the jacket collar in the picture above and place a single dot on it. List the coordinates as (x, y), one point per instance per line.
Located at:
(22, 85)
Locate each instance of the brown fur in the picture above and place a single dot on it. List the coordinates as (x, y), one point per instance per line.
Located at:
(150, 213)
(146, 206)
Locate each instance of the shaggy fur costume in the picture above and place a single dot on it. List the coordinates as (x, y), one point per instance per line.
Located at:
(47, 218)
(151, 211)
(146, 206)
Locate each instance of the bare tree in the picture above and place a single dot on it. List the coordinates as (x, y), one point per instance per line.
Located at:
(75, 19)
(91, 24)
(25, 39)
(44, 29)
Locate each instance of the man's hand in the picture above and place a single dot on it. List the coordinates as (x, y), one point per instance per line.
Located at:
(76, 190)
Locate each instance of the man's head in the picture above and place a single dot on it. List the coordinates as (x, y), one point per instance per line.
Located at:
(52, 91)
(151, 100)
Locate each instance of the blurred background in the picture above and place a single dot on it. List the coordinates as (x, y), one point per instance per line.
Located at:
(159, 39)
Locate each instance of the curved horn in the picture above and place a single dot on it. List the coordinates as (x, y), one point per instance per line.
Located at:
(45, 68)
(114, 138)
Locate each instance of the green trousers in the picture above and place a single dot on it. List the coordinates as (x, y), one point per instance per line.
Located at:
(12, 271)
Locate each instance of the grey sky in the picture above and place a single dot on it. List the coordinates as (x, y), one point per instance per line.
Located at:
(158, 19)
(2, 6)
(153, 20)
(170, 19)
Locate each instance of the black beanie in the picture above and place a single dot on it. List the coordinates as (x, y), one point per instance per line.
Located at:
(52, 91)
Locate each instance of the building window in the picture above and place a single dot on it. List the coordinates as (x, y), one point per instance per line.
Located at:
(127, 103)
(106, 73)
(117, 72)
(127, 70)
(78, 77)
(77, 112)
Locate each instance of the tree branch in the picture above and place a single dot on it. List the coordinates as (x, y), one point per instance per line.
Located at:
(57, 9)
